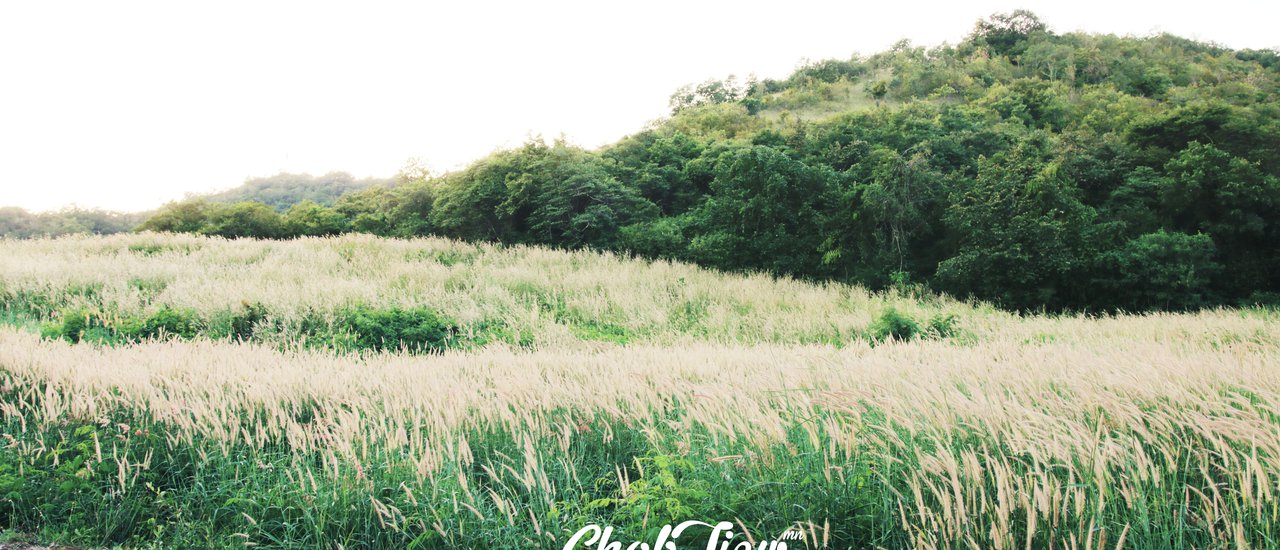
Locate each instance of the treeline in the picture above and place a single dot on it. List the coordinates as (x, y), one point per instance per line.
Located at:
(279, 192)
(1032, 169)
(17, 223)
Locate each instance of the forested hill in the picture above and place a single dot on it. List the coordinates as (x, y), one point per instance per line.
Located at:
(1027, 167)
(17, 223)
(280, 192)
(285, 189)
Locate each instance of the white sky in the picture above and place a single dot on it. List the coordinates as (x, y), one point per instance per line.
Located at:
(126, 105)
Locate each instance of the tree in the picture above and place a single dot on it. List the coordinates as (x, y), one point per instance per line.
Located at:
(1051, 60)
(367, 210)
(313, 220)
(1007, 33)
(244, 219)
(878, 90)
(1231, 199)
(1167, 271)
(1024, 237)
(766, 210)
(658, 238)
(883, 225)
(898, 201)
(710, 92)
(179, 217)
(285, 189)
(566, 197)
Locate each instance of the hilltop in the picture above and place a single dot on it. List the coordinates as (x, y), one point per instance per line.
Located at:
(284, 190)
(279, 192)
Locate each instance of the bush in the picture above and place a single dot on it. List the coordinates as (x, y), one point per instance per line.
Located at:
(165, 322)
(93, 325)
(77, 324)
(892, 324)
(417, 329)
(942, 325)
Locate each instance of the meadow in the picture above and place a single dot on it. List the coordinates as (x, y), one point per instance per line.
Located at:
(360, 392)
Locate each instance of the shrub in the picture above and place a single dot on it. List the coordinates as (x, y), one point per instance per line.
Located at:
(892, 324)
(416, 329)
(166, 322)
(942, 325)
(75, 325)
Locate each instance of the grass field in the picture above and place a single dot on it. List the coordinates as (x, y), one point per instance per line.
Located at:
(369, 393)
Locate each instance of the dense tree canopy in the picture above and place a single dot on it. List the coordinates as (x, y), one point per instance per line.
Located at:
(1032, 169)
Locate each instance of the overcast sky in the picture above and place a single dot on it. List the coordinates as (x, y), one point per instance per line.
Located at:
(126, 105)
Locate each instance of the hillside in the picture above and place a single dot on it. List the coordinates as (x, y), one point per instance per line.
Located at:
(1027, 168)
(285, 189)
(17, 223)
(279, 192)
(479, 294)
(1017, 292)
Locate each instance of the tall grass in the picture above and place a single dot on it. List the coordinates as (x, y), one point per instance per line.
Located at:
(534, 296)
(1153, 431)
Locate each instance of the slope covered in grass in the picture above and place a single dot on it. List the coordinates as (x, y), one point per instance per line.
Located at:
(199, 392)
(524, 296)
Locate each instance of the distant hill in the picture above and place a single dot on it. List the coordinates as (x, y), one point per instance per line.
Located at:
(16, 223)
(279, 192)
(285, 189)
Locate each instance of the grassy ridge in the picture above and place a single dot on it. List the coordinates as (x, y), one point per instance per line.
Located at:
(334, 291)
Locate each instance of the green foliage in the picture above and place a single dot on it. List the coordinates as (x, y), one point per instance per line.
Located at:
(70, 484)
(309, 219)
(893, 325)
(1025, 240)
(827, 70)
(75, 325)
(765, 211)
(711, 92)
(238, 324)
(244, 219)
(16, 223)
(660, 238)
(179, 217)
(600, 332)
(942, 325)
(165, 322)
(416, 329)
(1167, 270)
(284, 190)
(555, 195)
(1008, 33)
(86, 324)
(878, 89)
(666, 494)
(1020, 167)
